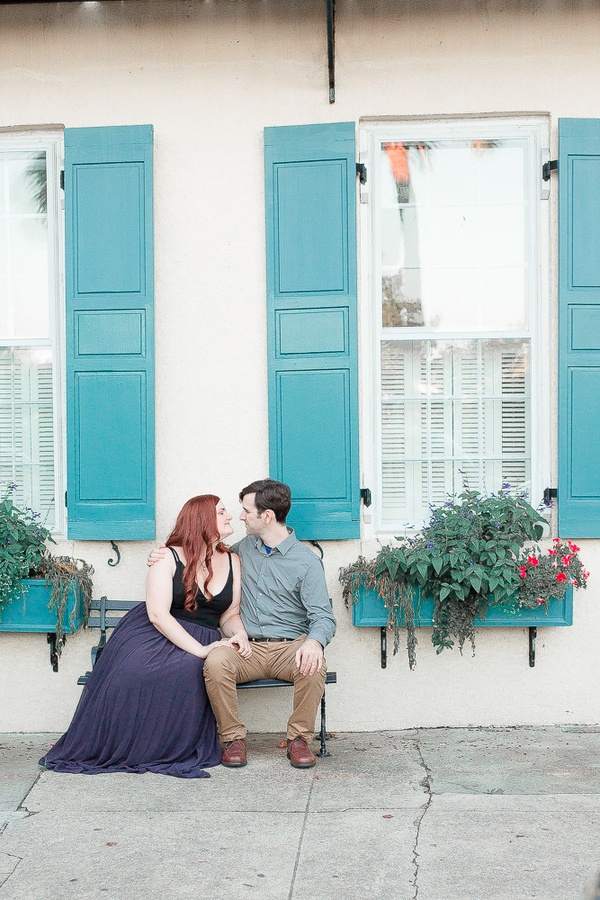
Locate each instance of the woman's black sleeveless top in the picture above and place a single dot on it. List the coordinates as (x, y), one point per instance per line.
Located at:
(207, 612)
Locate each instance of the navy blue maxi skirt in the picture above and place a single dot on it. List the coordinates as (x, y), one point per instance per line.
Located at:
(144, 708)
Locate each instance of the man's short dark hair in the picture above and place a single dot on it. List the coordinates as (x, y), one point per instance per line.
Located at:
(270, 494)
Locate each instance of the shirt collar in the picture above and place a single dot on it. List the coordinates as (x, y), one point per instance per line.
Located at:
(282, 548)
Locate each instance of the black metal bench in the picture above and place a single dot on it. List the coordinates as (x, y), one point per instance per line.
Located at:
(100, 618)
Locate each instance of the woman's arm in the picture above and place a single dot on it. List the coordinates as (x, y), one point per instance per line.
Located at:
(231, 622)
(159, 591)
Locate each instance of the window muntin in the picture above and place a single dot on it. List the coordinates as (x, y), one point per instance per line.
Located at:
(30, 422)
(457, 301)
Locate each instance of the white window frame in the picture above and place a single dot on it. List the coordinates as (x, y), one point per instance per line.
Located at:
(51, 140)
(543, 361)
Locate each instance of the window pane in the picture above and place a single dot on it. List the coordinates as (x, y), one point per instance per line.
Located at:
(24, 282)
(453, 235)
(450, 411)
(26, 427)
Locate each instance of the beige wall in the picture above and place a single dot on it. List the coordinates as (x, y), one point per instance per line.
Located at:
(209, 76)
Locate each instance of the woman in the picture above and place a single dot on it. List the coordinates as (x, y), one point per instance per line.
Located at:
(144, 707)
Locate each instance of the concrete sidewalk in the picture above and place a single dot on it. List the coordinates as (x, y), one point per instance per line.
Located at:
(427, 814)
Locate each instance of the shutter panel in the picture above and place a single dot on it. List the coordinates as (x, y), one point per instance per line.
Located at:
(312, 325)
(579, 329)
(110, 347)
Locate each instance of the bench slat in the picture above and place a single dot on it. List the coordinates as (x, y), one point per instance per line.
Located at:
(109, 622)
(330, 678)
(98, 605)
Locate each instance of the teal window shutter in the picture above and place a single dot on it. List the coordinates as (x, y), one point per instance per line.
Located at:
(579, 328)
(109, 333)
(310, 182)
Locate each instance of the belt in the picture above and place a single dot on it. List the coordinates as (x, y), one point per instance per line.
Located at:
(270, 640)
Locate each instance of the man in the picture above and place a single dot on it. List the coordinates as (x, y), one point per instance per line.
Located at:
(286, 613)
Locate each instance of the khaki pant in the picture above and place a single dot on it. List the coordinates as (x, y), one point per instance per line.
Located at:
(224, 668)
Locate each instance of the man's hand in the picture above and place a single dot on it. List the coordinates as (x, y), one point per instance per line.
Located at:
(156, 554)
(309, 658)
(239, 642)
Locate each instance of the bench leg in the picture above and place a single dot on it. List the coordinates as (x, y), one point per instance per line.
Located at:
(323, 749)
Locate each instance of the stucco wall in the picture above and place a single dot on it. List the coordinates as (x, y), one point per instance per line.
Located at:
(209, 76)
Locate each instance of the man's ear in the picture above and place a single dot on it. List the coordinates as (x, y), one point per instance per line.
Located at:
(268, 516)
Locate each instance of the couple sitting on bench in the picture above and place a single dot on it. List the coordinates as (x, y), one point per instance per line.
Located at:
(145, 706)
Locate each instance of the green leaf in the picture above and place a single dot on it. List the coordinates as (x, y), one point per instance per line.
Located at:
(423, 569)
(438, 564)
(476, 584)
(392, 566)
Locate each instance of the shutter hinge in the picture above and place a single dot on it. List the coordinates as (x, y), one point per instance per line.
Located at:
(66, 504)
(361, 171)
(62, 180)
(365, 496)
(550, 166)
(550, 494)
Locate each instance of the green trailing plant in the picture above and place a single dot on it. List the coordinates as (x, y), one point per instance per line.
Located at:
(63, 574)
(470, 555)
(24, 554)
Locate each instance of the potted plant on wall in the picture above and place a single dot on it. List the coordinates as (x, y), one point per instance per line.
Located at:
(38, 591)
(475, 555)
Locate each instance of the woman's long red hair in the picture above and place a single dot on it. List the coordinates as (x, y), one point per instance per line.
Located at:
(195, 532)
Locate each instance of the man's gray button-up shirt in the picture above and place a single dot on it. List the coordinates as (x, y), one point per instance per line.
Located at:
(284, 593)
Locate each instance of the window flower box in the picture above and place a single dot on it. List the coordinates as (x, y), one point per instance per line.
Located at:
(370, 612)
(29, 610)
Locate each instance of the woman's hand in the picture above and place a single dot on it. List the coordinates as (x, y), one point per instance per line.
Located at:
(206, 648)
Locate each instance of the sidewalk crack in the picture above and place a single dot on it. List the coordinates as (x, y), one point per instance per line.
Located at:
(297, 861)
(426, 784)
(4, 876)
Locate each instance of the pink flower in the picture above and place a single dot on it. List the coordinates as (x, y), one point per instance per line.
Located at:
(566, 559)
(533, 560)
(557, 540)
(561, 576)
(573, 547)
(540, 600)
(523, 572)
(552, 552)
(586, 574)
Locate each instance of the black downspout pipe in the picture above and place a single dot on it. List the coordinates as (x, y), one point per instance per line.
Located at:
(331, 48)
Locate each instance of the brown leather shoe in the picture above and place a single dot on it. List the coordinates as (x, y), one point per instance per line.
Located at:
(299, 754)
(234, 754)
